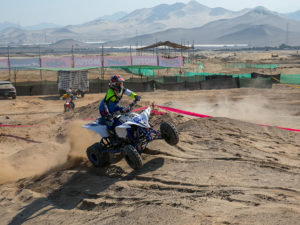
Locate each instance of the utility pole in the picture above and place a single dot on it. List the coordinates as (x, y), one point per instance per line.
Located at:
(194, 51)
(72, 56)
(287, 33)
(136, 43)
(102, 68)
(130, 55)
(8, 63)
(41, 76)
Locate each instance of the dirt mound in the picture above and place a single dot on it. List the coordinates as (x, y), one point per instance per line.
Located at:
(220, 164)
(223, 171)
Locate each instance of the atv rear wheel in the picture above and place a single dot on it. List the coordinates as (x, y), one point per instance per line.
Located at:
(132, 157)
(97, 157)
(169, 133)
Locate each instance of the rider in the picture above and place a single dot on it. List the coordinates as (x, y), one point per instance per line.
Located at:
(110, 102)
(68, 94)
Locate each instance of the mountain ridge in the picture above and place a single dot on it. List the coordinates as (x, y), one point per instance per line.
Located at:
(245, 29)
(207, 24)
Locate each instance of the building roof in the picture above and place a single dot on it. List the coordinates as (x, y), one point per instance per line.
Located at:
(166, 43)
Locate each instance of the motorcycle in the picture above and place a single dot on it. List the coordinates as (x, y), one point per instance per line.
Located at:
(69, 104)
(133, 132)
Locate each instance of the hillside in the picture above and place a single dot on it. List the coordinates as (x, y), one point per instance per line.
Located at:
(258, 27)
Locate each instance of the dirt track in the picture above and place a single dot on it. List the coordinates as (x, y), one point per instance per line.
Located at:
(225, 169)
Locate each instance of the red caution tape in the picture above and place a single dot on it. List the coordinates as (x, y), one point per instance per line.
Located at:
(183, 112)
(284, 128)
(139, 109)
(206, 116)
(155, 112)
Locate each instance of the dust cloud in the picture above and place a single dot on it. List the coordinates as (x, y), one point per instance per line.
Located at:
(80, 139)
(254, 109)
(33, 161)
(42, 158)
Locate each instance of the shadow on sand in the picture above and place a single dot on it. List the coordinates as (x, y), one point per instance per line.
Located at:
(50, 97)
(67, 197)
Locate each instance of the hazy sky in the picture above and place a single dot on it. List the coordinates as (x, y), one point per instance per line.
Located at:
(66, 12)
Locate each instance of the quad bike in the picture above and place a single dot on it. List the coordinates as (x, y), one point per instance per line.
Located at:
(132, 135)
(69, 104)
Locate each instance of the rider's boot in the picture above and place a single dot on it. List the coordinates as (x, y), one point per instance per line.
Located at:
(112, 132)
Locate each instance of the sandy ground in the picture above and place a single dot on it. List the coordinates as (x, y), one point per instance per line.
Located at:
(225, 170)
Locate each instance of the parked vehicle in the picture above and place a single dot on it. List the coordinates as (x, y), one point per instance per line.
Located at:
(76, 80)
(7, 89)
(132, 136)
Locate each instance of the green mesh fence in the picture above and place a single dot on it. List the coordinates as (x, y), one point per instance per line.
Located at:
(141, 71)
(179, 79)
(135, 79)
(245, 75)
(166, 79)
(192, 74)
(200, 65)
(290, 78)
(191, 79)
(182, 78)
(248, 65)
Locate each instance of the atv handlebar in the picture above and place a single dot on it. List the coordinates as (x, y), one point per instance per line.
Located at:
(129, 107)
(125, 110)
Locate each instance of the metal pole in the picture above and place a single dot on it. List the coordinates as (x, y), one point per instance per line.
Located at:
(15, 73)
(72, 56)
(8, 63)
(41, 75)
(157, 64)
(130, 55)
(102, 68)
(136, 43)
(194, 52)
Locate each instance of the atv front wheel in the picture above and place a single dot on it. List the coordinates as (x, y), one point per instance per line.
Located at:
(98, 158)
(133, 158)
(169, 133)
(66, 109)
(72, 105)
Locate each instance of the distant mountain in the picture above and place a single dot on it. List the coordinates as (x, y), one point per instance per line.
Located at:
(68, 43)
(258, 27)
(256, 35)
(177, 22)
(114, 17)
(138, 22)
(42, 26)
(192, 14)
(4, 25)
(293, 15)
